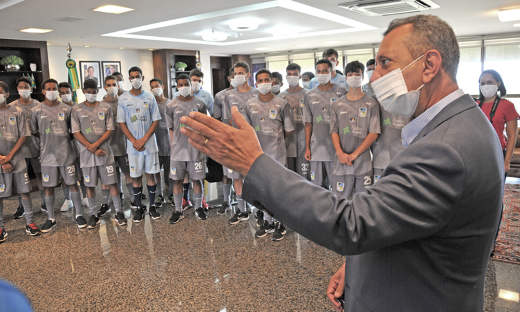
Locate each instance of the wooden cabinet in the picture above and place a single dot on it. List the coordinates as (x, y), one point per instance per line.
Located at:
(163, 62)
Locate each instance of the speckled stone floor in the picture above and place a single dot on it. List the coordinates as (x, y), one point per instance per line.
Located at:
(191, 266)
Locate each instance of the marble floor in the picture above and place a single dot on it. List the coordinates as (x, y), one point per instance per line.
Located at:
(191, 266)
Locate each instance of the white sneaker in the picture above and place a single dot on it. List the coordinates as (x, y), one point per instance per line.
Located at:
(67, 204)
(84, 202)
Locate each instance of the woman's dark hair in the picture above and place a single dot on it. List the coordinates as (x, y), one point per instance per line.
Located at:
(498, 78)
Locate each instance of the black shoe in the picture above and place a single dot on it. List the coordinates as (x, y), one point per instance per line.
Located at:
(32, 229)
(259, 215)
(93, 222)
(239, 216)
(48, 226)
(269, 227)
(261, 231)
(279, 232)
(103, 210)
(159, 200)
(120, 218)
(19, 212)
(44, 208)
(176, 217)
(3, 235)
(143, 207)
(82, 223)
(223, 209)
(170, 199)
(153, 213)
(133, 205)
(201, 213)
(139, 215)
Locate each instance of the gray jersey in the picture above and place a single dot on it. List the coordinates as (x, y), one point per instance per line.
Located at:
(181, 149)
(161, 133)
(31, 147)
(118, 139)
(218, 104)
(316, 110)
(389, 143)
(353, 121)
(92, 123)
(295, 143)
(271, 120)
(367, 89)
(53, 124)
(238, 99)
(13, 126)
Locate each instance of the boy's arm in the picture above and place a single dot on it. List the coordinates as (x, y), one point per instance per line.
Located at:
(16, 148)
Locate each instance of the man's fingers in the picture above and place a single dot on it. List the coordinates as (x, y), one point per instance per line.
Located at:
(203, 124)
(194, 136)
(331, 290)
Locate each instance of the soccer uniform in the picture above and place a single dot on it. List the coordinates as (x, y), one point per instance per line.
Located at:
(316, 110)
(92, 123)
(31, 148)
(138, 113)
(218, 106)
(117, 141)
(163, 137)
(337, 80)
(295, 143)
(389, 143)
(238, 99)
(353, 121)
(205, 97)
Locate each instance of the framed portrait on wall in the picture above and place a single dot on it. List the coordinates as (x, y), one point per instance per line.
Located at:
(109, 68)
(90, 70)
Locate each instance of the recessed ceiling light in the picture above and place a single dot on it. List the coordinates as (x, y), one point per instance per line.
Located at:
(516, 25)
(214, 36)
(509, 15)
(87, 46)
(262, 49)
(121, 48)
(244, 24)
(150, 49)
(113, 9)
(331, 41)
(35, 30)
(48, 43)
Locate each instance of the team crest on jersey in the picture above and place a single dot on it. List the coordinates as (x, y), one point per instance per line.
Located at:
(352, 119)
(230, 171)
(272, 114)
(340, 186)
(302, 103)
(101, 115)
(312, 176)
(376, 178)
(132, 168)
(332, 100)
(2, 188)
(362, 112)
(61, 116)
(12, 120)
(145, 104)
(194, 110)
(87, 178)
(174, 170)
(45, 178)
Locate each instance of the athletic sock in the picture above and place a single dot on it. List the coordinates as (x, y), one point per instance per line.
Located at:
(42, 195)
(241, 204)
(83, 190)
(151, 193)
(177, 199)
(130, 189)
(20, 200)
(49, 202)
(227, 192)
(197, 198)
(66, 192)
(117, 203)
(76, 200)
(92, 206)
(137, 195)
(105, 197)
(186, 188)
(27, 207)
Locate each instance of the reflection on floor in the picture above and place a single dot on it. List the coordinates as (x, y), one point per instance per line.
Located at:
(191, 266)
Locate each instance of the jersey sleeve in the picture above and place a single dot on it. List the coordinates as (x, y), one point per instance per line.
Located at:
(307, 113)
(375, 118)
(287, 117)
(226, 108)
(217, 108)
(154, 110)
(168, 114)
(75, 123)
(334, 128)
(109, 117)
(121, 116)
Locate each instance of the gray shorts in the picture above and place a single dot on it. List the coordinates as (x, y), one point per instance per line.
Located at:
(377, 174)
(196, 169)
(235, 175)
(346, 186)
(107, 174)
(34, 162)
(319, 170)
(164, 162)
(14, 183)
(122, 163)
(51, 175)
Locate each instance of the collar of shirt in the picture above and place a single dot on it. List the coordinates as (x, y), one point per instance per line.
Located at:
(411, 130)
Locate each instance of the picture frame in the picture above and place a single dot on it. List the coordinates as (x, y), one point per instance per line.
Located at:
(109, 68)
(90, 70)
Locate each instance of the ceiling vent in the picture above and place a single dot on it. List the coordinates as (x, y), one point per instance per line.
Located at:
(69, 19)
(388, 7)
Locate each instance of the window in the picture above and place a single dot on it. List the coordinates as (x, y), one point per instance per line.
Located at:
(469, 69)
(306, 62)
(278, 66)
(505, 59)
(362, 56)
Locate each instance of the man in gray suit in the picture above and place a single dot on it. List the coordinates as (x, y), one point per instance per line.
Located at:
(420, 238)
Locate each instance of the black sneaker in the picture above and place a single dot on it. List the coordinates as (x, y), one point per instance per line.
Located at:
(270, 228)
(138, 215)
(44, 208)
(279, 232)
(259, 215)
(93, 222)
(103, 210)
(261, 231)
(48, 226)
(3, 235)
(19, 212)
(32, 229)
(133, 205)
(170, 199)
(239, 216)
(120, 218)
(223, 209)
(176, 217)
(201, 213)
(81, 221)
(153, 213)
(159, 200)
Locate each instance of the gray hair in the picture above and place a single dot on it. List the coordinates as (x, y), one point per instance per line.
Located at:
(430, 32)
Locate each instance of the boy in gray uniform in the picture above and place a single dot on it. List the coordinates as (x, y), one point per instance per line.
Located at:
(185, 158)
(50, 120)
(295, 143)
(238, 98)
(272, 119)
(163, 142)
(354, 126)
(316, 116)
(92, 125)
(31, 147)
(13, 171)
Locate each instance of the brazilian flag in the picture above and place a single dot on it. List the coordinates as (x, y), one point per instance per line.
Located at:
(73, 78)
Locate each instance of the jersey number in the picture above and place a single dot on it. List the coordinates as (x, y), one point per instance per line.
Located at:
(71, 169)
(198, 166)
(110, 169)
(305, 167)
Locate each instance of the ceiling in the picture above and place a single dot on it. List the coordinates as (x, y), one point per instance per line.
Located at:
(161, 24)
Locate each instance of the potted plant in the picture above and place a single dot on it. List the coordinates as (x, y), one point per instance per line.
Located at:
(180, 66)
(12, 63)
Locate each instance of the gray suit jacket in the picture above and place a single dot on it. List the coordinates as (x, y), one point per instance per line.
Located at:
(420, 238)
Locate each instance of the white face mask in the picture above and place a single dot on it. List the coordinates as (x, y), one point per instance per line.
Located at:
(240, 79)
(323, 78)
(185, 91)
(354, 82)
(66, 98)
(92, 98)
(52, 95)
(25, 93)
(264, 88)
(233, 83)
(137, 83)
(489, 90)
(369, 74)
(392, 93)
(275, 88)
(2, 98)
(195, 86)
(120, 84)
(293, 81)
(157, 91)
(112, 91)
(306, 84)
